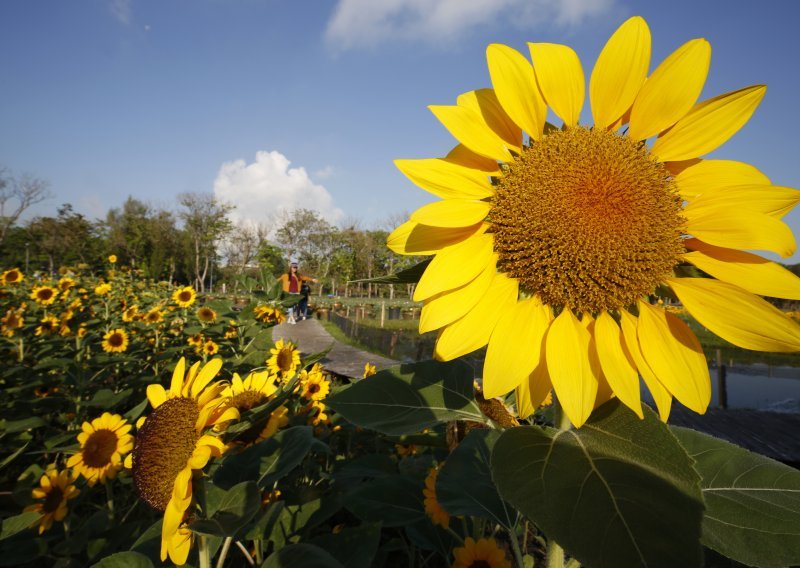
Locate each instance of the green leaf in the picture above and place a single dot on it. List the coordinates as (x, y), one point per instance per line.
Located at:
(408, 276)
(301, 556)
(408, 398)
(127, 559)
(354, 547)
(13, 456)
(236, 507)
(464, 485)
(617, 492)
(18, 523)
(107, 399)
(266, 521)
(394, 501)
(12, 426)
(752, 502)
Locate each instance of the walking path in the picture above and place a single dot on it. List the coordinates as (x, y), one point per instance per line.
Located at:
(345, 360)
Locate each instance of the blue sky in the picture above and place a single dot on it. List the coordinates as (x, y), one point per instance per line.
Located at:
(306, 103)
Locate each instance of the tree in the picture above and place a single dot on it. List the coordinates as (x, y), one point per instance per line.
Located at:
(206, 222)
(308, 238)
(128, 230)
(67, 238)
(16, 196)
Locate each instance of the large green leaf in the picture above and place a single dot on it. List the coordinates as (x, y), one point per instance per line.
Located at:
(301, 556)
(617, 492)
(464, 485)
(124, 560)
(354, 547)
(235, 509)
(394, 501)
(18, 523)
(410, 275)
(408, 398)
(752, 502)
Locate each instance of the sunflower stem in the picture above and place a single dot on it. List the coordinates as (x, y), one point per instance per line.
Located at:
(205, 557)
(110, 499)
(555, 554)
(515, 546)
(226, 546)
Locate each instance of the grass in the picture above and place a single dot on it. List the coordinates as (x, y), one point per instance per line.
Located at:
(342, 337)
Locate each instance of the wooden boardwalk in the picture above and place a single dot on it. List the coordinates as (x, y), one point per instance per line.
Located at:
(344, 360)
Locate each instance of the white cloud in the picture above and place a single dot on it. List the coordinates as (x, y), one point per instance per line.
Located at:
(268, 186)
(325, 173)
(121, 10)
(366, 23)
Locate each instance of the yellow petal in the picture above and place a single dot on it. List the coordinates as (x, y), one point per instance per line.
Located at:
(515, 347)
(737, 315)
(208, 372)
(671, 91)
(620, 72)
(452, 213)
(156, 395)
(569, 366)
(177, 378)
(708, 125)
(515, 85)
(473, 330)
(604, 391)
(471, 130)
(560, 76)
(739, 229)
(660, 395)
(449, 306)
(773, 200)
(675, 355)
(454, 266)
(463, 156)
(618, 366)
(179, 547)
(743, 269)
(411, 238)
(446, 179)
(485, 103)
(711, 176)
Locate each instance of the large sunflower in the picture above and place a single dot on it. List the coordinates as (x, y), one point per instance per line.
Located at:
(55, 489)
(104, 442)
(550, 250)
(256, 389)
(171, 446)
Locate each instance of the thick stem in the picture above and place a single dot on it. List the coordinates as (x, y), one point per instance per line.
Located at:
(226, 546)
(205, 557)
(515, 546)
(555, 554)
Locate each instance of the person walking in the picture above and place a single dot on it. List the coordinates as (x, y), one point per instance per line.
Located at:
(292, 282)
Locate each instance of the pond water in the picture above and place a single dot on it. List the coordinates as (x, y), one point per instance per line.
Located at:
(761, 387)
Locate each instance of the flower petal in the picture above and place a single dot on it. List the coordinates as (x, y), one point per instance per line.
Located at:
(618, 366)
(708, 125)
(454, 266)
(208, 372)
(463, 156)
(773, 200)
(560, 76)
(743, 269)
(533, 391)
(177, 378)
(446, 179)
(620, 71)
(569, 366)
(471, 130)
(452, 213)
(156, 395)
(737, 315)
(485, 103)
(412, 238)
(514, 83)
(473, 330)
(671, 90)
(515, 346)
(710, 176)
(675, 355)
(449, 306)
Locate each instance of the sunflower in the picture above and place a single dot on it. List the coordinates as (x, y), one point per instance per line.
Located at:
(115, 341)
(102, 289)
(154, 315)
(129, 314)
(44, 295)
(432, 507)
(55, 489)
(269, 314)
(548, 251)
(65, 283)
(47, 325)
(231, 331)
(481, 554)
(112, 259)
(285, 359)
(369, 369)
(11, 321)
(171, 445)
(256, 389)
(11, 276)
(184, 296)
(104, 442)
(206, 315)
(210, 348)
(314, 385)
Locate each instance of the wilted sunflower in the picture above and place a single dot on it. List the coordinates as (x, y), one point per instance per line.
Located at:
(313, 384)
(484, 554)
(171, 445)
(206, 315)
(104, 442)
(548, 250)
(115, 341)
(55, 489)
(102, 289)
(44, 295)
(48, 325)
(285, 359)
(256, 389)
(432, 507)
(11, 276)
(184, 296)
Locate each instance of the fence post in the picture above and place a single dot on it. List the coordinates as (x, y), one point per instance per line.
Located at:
(722, 391)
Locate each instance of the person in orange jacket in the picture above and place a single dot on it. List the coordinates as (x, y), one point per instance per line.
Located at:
(292, 282)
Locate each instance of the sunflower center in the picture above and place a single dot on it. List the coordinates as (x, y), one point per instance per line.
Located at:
(163, 446)
(185, 296)
(99, 448)
(248, 399)
(53, 499)
(45, 294)
(115, 340)
(285, 359)
(480, 564)
(313, 388)
(587, 219)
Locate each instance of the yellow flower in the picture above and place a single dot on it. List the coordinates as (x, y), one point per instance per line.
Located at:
(44, 295)
(313, 384)
(48, 325)
(318, 414)
(154, 315)
(210, 348)
(11, 321)
(484, 553)
(269, 314)
(112, 259)
(432, 507)
(55, 489)
(171, 446)
(285, 358)
(66, 283)
(184, 296)
(102, 289)
(129, 314)
(206, 315)
(12, 276)
(256, 389)
(548, 249)
(369, 369)
(104, 442)
(231, 331)
(115, 341)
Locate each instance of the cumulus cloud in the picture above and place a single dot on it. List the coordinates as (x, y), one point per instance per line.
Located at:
(121, 10)
(366, 23)
(263, 189)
